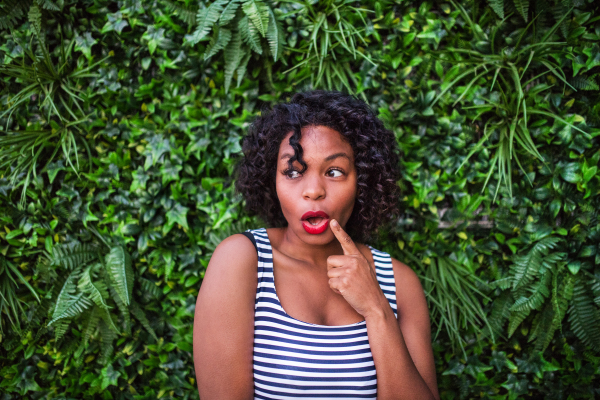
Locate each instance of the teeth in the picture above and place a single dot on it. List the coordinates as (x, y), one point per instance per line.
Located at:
(315, 220)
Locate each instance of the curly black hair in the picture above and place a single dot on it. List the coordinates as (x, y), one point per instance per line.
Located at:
(376, 155)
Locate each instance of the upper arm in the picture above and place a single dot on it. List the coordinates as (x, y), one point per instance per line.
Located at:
(413, 318)
(224, 322)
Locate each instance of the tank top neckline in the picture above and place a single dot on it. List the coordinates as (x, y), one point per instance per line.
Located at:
(295, 319)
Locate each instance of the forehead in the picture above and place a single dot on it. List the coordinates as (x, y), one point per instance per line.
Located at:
(317, 141)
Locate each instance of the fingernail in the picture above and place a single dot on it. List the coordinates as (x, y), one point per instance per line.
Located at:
(334, 223)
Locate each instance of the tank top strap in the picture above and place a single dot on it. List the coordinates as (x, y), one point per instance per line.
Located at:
(266, 285)
(385, 276)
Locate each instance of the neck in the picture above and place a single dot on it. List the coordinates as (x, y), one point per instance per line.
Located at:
(292, 246)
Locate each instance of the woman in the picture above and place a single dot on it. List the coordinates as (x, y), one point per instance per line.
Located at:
(303, 309)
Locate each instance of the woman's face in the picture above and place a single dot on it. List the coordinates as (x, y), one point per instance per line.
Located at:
(326, 190)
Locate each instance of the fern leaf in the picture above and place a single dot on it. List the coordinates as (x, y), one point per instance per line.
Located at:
(187, 14)
(35, 19)
(218, 42)
(11, 11)
(206, 18)
(527, 266)
(108, 319)
(275, 36)
(137, 312)
(107, 337)
(258, 13)
(241, 70)
(250, 35)
(97, 292)
(48, 5)
(499, 313)
(561, 297)
(76, 306)
(229, 12)
(233, 55)
(60, 328)
(558, 11)
(583, 316)
(579, 82)
(66, 294)
(539, 292)
(543, 328)
(522, 7)
(498, 7)
(516, 318)
(118, 264)
(72, 255)
(90, 325)
(123, 309)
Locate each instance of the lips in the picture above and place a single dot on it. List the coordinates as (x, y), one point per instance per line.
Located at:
(315, 222)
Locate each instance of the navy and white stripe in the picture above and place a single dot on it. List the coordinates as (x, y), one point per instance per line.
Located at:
(296, 359)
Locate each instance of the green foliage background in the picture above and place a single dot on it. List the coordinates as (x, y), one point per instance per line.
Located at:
(122, 120)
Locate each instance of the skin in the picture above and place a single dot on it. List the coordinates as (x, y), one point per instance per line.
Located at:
(324, 279)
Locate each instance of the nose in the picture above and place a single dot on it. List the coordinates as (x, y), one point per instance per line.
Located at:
(313, 188)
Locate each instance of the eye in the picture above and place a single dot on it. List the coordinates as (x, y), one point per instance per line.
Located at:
(292, 173)
(334, 173)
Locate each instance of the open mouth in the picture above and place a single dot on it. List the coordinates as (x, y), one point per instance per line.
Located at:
(315, 222)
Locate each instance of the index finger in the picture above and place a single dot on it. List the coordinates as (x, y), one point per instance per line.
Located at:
(345, 240)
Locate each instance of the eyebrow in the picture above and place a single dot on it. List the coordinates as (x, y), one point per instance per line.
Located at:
(328, 158)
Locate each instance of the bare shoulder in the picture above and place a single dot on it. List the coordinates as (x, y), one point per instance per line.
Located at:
(236, 254)
(410, 296)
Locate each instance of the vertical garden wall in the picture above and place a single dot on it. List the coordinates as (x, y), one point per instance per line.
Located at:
(121, 123)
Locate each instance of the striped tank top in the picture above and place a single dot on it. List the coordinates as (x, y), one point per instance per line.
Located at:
(295, 359)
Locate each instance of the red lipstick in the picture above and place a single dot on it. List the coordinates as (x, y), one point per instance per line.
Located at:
(315, 222)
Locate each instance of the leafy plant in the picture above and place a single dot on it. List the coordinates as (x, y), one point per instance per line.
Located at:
(10, 302)
(56, 87)
(237, 23)
(510, 111)
(95, 285)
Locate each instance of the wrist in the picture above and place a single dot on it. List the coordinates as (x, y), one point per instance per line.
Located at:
(382, 312)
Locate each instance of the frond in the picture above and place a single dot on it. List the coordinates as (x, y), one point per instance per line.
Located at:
(12, 11)
(539, 292)
(90, 325)
(527, 266)
(218, 42)
(516, 318)
(275, 36)
(35, 19)
(561, 295)
(241, 70)
(75, 307)
(118, 266)
(149, 288)
(229, 12)
(498, 7)
(499, 313)
(583, 316)
(60, 328)
(233, 55)
(97, 292)
(206, 18)
(250, 35)
(258, 13)
(543, 328)
(581, 83)
(522, 7)
(137, 312)
(72, 255)
(122, 308)
(558, 11)
(107, 337)
(48, 5)
(187, 14)
(66, 294)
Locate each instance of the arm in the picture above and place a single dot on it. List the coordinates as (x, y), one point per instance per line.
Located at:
(401, 348)
(224, 322)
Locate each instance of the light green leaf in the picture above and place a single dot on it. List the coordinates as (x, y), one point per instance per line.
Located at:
(118, 264)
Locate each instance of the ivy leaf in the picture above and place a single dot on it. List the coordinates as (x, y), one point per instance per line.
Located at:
(110, 377)
(178, 214)
(84, 44)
